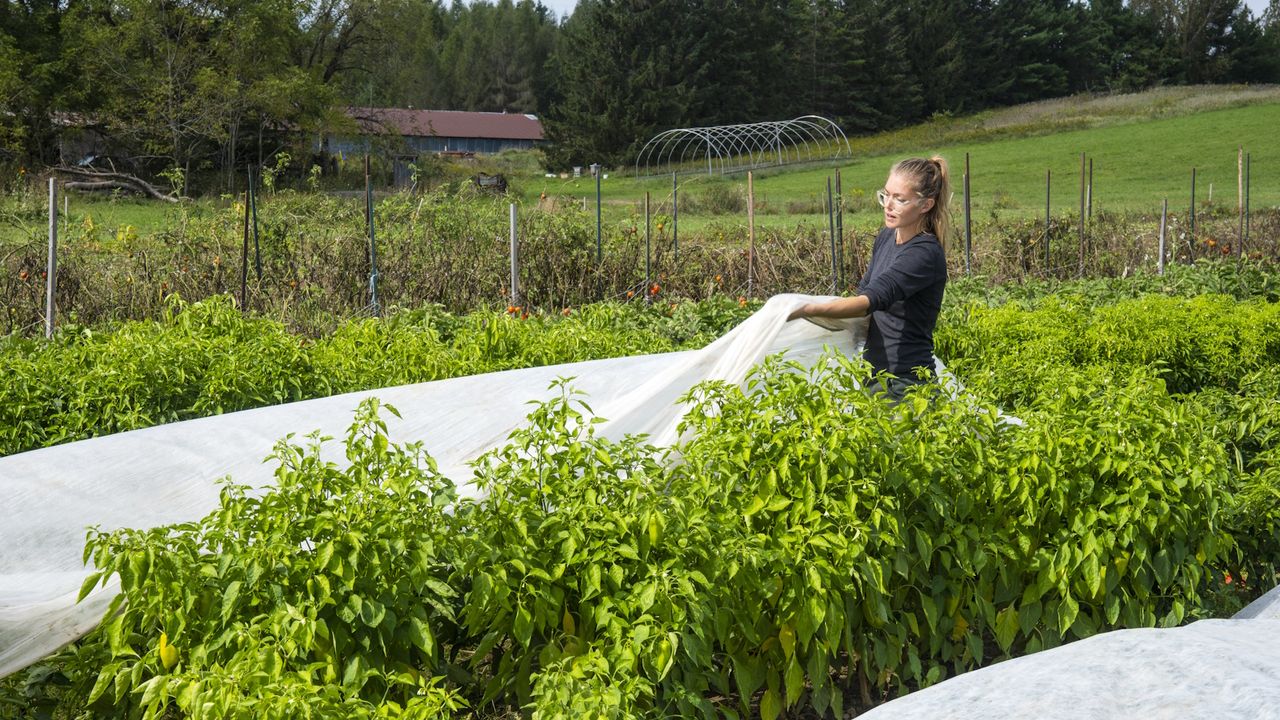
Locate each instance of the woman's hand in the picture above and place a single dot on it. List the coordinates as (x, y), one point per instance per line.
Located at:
(800, 312)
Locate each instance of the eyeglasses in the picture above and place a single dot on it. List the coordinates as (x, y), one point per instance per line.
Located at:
(885, 200)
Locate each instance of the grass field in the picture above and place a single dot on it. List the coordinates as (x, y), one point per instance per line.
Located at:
(1135, 166)
(1143, 146)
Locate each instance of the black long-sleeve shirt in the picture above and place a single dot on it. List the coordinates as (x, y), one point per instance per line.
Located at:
(904, 284)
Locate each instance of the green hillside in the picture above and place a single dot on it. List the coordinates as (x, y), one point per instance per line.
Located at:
(1143, 146)
(1140, 155)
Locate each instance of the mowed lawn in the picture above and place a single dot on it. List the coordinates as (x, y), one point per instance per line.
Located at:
(1135, 166)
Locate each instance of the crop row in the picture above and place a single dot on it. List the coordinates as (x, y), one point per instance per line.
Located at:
(813, 547)
(206, 358)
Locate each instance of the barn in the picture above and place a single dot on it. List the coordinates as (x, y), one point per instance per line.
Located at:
(407, 133)
(440, 130)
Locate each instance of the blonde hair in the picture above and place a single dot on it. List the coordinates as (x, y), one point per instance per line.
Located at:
(932, 181)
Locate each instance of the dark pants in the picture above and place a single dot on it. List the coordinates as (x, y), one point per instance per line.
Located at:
(894, 388)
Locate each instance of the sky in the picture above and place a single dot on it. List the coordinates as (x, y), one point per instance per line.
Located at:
(564, 7)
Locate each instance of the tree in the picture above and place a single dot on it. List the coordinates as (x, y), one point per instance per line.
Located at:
(738, 48)
(1252, 52)
(36, 77)
(496, 56)
(1197, 32)
(951, 49)
(879, 85)
(333, 32)
(179, 83)
(625, 70)
(156, 64)
(1033, 51)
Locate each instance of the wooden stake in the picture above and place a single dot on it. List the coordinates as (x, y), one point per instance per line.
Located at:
(1239, 198)
(1191, 238)
(1164, 224)
(51, 265)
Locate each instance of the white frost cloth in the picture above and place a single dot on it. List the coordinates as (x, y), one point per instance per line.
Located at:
(167, 474)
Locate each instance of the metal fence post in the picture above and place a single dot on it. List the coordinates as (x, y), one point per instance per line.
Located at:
(595, 168)
(968, 225)
(831, 232)
(1048, 185)
(675, 216)
(839, 230)
(515, 259)
(244, 258)
(751, 234)
(648, 252)
(373, 248)
(257, 247)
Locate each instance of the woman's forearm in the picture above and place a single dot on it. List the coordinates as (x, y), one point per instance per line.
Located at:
(847, 307)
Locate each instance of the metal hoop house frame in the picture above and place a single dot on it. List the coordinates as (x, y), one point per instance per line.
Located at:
(734, 148)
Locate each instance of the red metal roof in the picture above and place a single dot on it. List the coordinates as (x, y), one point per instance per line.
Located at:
(447, 123)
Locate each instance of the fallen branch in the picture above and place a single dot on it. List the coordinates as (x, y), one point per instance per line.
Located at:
(102, 180)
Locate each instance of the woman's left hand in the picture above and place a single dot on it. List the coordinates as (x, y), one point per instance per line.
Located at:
(798, 313)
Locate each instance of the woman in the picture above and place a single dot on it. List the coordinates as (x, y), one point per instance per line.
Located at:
(902, 288)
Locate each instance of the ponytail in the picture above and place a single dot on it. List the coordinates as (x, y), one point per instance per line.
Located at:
(932, 181)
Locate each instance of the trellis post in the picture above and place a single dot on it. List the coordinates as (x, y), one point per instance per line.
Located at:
(51, 265)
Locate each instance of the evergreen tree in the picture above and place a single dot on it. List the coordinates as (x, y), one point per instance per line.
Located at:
(401, 66)
(951, 50)
(881, 85)
(496, 56)
(626, 71)
(1252, 53)
(1135, 55)
(740, 45)
(1032, 49)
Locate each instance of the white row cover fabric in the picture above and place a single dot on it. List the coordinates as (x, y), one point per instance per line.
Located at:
(168, 474)
(1211, 669)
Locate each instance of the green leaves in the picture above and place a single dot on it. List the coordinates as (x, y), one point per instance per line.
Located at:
(1068, 609)
(203, 358)
(269, 599)
(229, 598)
(88, 585)
(1007, 627)
(770, 705)
(808, 534)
